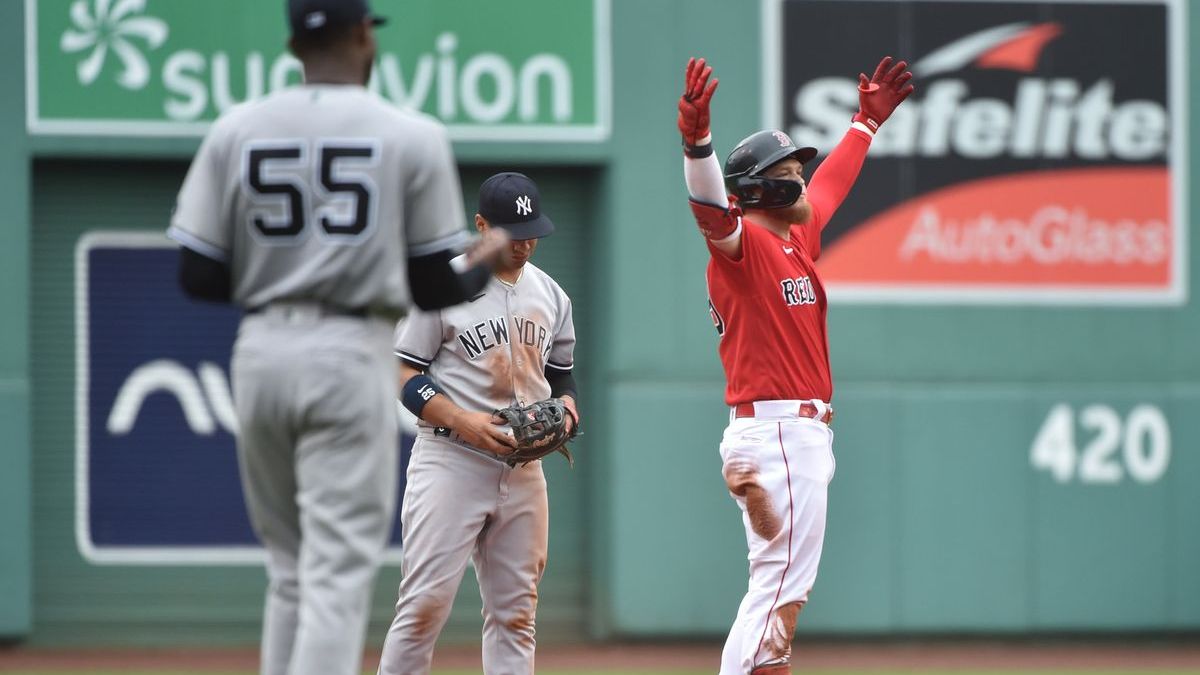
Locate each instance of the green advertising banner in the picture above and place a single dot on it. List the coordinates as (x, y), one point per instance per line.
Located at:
(527, 70)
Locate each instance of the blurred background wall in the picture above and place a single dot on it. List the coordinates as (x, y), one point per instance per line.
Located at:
(1016, 439)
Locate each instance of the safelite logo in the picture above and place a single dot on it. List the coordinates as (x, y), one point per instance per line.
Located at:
(1040, 169)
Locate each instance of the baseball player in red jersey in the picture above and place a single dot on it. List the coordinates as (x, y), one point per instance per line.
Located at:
(769, 308)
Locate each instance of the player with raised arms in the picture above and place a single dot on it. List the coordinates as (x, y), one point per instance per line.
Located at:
(768, 304)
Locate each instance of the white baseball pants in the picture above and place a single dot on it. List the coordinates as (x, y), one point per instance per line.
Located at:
(782, 466)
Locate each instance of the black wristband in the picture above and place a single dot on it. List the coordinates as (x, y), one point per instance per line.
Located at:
(417, 392)
(697, 151)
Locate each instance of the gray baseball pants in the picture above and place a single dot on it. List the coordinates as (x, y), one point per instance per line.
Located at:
(315, 398)
(461, 504)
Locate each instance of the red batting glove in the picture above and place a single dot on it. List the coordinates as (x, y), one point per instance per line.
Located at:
(693, 105)
(880, 95)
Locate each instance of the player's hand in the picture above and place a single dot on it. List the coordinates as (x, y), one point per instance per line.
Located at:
(573, 418)
(693, 105)
(485, 431)
(879, 96)
(487, 248)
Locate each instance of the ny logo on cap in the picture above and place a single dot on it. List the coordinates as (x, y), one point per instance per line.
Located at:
(315, 20)
(524, 205)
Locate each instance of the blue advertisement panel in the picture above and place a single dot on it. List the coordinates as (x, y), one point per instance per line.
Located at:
(156, 459)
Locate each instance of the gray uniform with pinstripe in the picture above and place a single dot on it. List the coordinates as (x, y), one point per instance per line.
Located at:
(462, 503)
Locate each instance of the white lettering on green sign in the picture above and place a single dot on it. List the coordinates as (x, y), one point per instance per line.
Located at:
(147, 67)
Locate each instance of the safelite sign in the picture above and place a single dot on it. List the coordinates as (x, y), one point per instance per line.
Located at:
(1040, 160)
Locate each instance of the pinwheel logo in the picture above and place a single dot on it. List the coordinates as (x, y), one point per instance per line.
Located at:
(119, 27)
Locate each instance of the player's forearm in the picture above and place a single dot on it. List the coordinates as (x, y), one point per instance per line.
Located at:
(836, 175)
(710, 204)
(702, 173)
(203, 278)
(440, 411)
(562, 382)
(421, 395)
(436, 284)
(562, 385)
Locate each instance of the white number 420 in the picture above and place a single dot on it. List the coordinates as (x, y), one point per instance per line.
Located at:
(1143, 439)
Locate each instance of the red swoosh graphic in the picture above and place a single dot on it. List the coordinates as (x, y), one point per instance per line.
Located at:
(1022, 52)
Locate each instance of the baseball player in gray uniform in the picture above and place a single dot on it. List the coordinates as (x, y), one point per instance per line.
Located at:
(511, 344)
(323, 211)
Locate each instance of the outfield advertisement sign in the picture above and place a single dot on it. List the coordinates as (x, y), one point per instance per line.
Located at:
(156, 461)
(534, 70)
(1040, 160)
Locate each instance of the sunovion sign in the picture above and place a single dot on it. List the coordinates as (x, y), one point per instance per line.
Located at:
(156, 459)
(1041, 158)
(527, 70)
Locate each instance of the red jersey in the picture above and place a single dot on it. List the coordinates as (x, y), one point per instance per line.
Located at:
(769, 305)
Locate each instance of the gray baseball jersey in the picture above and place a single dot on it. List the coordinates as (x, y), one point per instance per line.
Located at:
(316, 196)
(485, 354)
(492, 352)
(321, 193)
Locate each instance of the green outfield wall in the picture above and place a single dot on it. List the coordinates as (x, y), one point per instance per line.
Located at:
(1014, 456)
(16, 556)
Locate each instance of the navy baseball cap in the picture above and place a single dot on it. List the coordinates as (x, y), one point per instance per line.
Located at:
(310, 16)
(510, 200)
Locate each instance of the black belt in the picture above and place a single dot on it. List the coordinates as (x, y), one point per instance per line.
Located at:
(330, 310)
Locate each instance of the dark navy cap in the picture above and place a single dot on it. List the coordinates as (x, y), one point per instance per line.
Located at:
(510, 200)
(309, 16)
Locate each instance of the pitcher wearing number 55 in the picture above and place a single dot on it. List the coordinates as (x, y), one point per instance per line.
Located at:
(324, 212)
(769, 308)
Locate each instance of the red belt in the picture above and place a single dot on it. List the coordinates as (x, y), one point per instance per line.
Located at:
(805, 409)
